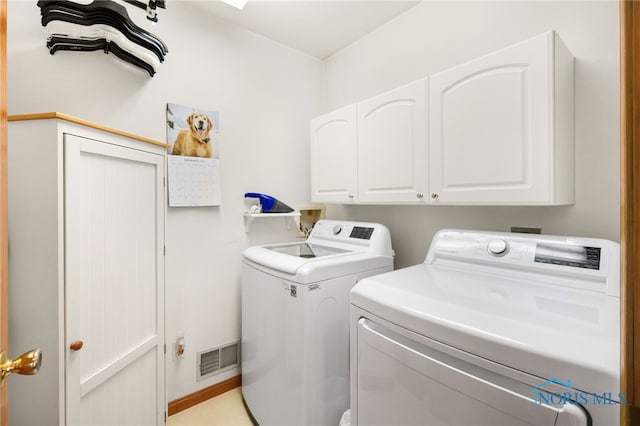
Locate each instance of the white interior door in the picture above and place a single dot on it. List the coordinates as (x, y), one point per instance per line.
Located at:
(114, 284)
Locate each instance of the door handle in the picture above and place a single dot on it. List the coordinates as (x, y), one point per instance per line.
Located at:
(77, 345)
(28, 363)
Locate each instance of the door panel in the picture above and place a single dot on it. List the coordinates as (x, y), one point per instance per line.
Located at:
(491, 127)
(334, 156)
(392, 158)
(114, 284)
(501, 148)
(401, 381)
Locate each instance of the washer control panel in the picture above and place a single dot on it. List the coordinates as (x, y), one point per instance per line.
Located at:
(361, 232)
(348, 235)
(344, 229)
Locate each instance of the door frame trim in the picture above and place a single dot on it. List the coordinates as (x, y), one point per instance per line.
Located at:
(630, 209)
(4, 245)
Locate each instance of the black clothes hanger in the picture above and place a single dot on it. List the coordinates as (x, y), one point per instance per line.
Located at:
(102, 13)
(135, 38)
(105, 13)
(72, 31)
(56, 43)
(108, 12)
(103, 6)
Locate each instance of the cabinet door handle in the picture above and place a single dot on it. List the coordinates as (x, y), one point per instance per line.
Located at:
(434, 196)
(77, 345)
(420, 195)
(350, 195)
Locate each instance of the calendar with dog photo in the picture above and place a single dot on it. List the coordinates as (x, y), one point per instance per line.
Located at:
(193, 164)
(191, 131)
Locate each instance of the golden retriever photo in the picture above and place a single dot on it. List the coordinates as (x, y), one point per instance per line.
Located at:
(192, 133)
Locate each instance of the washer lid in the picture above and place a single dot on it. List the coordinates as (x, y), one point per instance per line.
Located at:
(334, 249)
(518, 320)
(292, 263)
(289, 258)
(306, 250)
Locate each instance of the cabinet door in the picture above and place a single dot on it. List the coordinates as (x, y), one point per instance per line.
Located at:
(333, 156)
(491, 129)
(114, 284)
(392, 158)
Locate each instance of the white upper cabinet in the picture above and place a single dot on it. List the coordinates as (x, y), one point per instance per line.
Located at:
(334, 156)
(497, 130)
(501, 127)
(392, 157)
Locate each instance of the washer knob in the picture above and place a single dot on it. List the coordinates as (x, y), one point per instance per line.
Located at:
(337, 229)
(497, 247)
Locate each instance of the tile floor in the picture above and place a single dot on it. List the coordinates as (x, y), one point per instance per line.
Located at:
(223, 410)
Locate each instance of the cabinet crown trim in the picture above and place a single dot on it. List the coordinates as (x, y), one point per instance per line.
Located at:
(60, 116)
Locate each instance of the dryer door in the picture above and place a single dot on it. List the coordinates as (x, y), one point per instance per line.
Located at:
(404, 381)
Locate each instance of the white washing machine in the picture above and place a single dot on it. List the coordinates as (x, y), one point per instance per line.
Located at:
(295, 320)
(492, 329)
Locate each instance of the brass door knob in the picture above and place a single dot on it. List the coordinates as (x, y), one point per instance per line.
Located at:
(77, 345)
(28, 363)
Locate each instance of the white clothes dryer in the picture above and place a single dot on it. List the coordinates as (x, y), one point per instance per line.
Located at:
(295, 320)
(492, 329)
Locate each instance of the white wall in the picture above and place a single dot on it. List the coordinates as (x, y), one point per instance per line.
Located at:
(265, 94)
(436, 35)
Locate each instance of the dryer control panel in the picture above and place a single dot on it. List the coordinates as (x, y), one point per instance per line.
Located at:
(589, 263)
(573, 255)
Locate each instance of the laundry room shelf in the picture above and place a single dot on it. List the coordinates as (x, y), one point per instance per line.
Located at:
(250, 217)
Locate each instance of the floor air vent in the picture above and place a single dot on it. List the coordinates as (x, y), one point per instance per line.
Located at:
(217, 360)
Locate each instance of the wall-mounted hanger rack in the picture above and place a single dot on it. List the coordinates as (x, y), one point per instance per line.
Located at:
(100, 12)
(150, 7)
(100, 25)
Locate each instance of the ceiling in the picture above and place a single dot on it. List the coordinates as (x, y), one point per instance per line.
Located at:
(317, 27)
